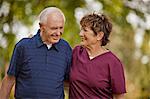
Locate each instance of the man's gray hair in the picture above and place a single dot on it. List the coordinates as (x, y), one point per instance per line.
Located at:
(44, 13)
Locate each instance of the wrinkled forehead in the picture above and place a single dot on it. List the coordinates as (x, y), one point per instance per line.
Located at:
(52, 12)
(55, 17)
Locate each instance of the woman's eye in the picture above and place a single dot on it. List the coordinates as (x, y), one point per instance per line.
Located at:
(84, 29)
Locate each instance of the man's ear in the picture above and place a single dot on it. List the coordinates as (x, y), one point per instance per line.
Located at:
(40, 25)
(100, 35)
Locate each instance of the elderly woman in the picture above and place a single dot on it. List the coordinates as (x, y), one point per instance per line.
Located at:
(96, 73)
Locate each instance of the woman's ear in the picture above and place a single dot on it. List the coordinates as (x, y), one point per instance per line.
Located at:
(100, 36)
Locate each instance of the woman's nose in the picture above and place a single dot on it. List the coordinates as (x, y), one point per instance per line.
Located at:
(81, 33)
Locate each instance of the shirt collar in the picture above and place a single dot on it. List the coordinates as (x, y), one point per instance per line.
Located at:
(40, 43)
(49, 46)
(56, 46)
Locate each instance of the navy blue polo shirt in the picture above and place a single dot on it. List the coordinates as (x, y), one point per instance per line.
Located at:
(40, 71)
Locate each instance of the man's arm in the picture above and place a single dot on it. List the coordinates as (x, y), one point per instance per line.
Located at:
(6, 86)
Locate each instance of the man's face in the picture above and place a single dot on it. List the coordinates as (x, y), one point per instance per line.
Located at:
(53, 29)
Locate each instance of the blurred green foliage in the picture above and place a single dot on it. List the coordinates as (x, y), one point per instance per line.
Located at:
(136, 59)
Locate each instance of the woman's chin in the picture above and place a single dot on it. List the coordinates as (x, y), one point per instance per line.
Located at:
(83, 44)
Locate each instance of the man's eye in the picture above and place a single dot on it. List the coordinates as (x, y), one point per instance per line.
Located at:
(53, 28)
(61, 27)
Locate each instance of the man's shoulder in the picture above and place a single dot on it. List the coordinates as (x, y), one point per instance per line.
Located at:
(64, 45)
(64, 42)
(24, 42)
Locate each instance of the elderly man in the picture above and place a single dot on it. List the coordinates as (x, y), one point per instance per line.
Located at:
(39, 65)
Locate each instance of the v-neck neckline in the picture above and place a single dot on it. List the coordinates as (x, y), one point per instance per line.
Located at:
(96, 56)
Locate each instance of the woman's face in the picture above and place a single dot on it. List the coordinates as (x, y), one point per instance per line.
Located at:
(88, 38)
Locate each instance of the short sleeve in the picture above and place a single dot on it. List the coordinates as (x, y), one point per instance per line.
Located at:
(15, 61)
(117, 77)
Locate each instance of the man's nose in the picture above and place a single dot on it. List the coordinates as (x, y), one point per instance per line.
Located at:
(59, 32)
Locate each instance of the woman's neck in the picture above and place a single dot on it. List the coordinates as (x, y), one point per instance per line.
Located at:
(94, 51)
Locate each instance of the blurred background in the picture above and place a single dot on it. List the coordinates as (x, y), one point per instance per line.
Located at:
(130, 38)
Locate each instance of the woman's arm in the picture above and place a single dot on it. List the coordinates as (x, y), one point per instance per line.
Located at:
(118, 96)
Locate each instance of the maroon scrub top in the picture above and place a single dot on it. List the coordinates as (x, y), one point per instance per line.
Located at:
(98, 78)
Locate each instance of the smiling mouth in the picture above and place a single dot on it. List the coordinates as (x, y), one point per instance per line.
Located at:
(83, 38)
(55, 35)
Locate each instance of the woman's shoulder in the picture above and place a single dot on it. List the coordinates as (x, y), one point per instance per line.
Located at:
(78, 48)
(114, 59)
(113, 56)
